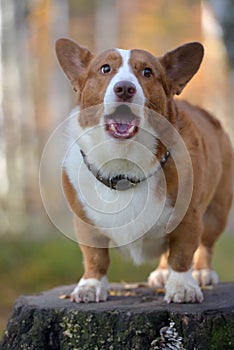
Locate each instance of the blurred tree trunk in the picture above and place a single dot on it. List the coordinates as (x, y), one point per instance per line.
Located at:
(60, 88)
(217, 68)
(4, 184)
(106, 24)
(32, 101)
(16, 113)
(224, 11)
(48, 20)
(38, 19)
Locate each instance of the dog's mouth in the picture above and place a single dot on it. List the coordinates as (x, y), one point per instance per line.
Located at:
(122, 124)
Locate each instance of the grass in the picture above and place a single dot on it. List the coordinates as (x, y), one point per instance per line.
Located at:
(28, 266)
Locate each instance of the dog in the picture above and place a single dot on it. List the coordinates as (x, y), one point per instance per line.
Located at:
(146, 171)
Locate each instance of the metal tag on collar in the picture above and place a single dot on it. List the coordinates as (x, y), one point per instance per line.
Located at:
(122, 184)
(165, 158)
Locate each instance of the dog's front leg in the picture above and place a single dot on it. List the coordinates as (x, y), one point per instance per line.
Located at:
(181, 287)
(93, 286)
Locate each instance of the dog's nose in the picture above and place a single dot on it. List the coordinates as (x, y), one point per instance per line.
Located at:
(125, 90)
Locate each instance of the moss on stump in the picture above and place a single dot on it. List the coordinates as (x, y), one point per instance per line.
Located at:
(131, 319)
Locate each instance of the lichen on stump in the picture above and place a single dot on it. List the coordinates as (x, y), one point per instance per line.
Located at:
(132, 318)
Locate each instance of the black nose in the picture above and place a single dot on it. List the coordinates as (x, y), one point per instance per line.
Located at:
(125, 90)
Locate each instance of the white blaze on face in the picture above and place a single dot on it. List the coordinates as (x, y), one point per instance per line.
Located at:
(101, 147)
(124, 73)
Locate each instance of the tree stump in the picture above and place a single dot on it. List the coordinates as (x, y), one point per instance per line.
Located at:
(135, 317)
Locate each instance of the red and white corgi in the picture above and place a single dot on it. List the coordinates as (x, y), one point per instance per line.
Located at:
(124, 172)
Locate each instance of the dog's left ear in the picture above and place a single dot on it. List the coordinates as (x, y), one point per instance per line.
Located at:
(74, 60)
(181, 64)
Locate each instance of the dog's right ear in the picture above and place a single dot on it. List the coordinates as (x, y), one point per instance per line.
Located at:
(74, 60)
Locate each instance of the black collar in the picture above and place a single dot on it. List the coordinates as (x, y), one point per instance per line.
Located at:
(120, 182)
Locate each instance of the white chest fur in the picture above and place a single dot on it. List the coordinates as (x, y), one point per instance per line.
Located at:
(134, 220)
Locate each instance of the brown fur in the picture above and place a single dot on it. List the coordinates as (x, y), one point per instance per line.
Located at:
(209, 147)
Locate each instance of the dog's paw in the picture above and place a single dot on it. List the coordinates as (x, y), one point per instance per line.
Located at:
(90, 290)
(158, 278)
(205, 277)
(182, 288)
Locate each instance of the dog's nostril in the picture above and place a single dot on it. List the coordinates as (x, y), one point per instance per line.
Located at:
(119, 90)
(132, 90)
(125, 89)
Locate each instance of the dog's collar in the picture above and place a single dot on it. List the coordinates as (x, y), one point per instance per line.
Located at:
(121, 182)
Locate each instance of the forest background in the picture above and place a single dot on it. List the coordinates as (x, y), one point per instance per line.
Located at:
(35, 97)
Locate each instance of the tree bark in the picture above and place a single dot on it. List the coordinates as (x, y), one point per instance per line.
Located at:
(132, 318)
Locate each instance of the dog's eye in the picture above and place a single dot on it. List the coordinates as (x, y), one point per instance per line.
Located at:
(147, 72)
(105, 69)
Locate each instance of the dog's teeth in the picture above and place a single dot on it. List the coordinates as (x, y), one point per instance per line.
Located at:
(131, 129)
(112, 127)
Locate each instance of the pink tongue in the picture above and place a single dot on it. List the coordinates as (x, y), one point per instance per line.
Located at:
(122, 128)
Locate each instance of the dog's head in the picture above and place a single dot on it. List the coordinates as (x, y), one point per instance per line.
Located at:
(126, 84)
